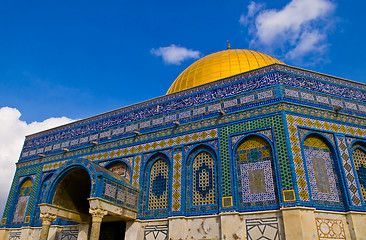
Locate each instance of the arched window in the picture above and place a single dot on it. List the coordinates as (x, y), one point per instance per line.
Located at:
(255, 172)
(359, 159)
(120, 168)
(203, 179)
(158, 185)
(321, 169)
(22, 202)
(41, 197)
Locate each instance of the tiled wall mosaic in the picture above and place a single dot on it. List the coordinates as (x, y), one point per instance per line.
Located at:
(22, 203)
(159, 185)
(238, 85)
(350, 174)
(273, 122)
(323, 100)
(177, 180)
(293, 124)
(359, 159)
(322, 174)
(203, 179)
(255, 174)
(120, 194)
(155, 145)
(13, 190)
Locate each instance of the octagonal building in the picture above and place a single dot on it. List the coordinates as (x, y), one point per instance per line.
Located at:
(242, 146)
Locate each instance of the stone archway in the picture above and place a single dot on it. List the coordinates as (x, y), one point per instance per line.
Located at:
(73, 191)
(84, 192)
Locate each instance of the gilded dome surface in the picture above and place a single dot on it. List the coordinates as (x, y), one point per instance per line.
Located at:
(220, 65)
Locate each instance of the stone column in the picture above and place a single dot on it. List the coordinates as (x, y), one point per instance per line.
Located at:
(299, 223)
(47, 218)
(97, 217)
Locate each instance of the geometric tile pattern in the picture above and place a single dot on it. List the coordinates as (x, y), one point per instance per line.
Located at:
(359, 159)
(177, 182)
(293, 122)
(203, 181)
(150, 146)
(54, 165)
(322, 177)
(13, 190)
(330, 228)
(120, 194)
(156, 232)
(136, 171)
(254, 172)
(349, 173)
(240, 84)
(22, 203)
(201, 185)
(158, 190)
(14, 235)
(275, 122)
(69, 234)
(262, 228)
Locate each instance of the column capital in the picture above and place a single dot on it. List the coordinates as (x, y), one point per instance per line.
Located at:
(47, 218)
(97, 214)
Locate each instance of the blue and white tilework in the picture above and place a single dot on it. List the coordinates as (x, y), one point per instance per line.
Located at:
(321, 174)
(350, 175)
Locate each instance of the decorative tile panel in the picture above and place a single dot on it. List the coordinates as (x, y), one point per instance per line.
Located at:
(136, 171)
(177, 181)
(293, 122)
(203, 179)
(276, 123)
(52, 166)
(330, 229)
(262, 228)
(350, 175)
(156, 145)
(156, 232)
(359, 159)
(254, 173)
(158, 187)
(322, 177)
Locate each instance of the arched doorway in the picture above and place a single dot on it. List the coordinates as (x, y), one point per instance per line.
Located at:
(73, 191)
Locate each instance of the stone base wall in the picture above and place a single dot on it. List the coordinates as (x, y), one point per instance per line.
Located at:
(288, 223)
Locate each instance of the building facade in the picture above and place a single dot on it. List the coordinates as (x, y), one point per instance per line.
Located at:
(242, 147)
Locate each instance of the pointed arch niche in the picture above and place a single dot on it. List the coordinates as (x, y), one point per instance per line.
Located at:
(155, 197)
(21, 206)
(322, 171)
(201, 179)
(359, 160)
(255, 172)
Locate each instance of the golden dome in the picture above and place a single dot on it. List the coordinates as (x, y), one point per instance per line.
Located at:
(220, 65)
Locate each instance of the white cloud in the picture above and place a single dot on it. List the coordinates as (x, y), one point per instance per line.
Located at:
(298, 29)
(12, 135)
(174, 54)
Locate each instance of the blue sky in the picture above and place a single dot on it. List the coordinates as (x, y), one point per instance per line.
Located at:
(67, 60)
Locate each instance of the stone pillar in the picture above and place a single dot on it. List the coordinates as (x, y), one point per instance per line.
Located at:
(47, 218)
(97, 217)
(356, 223)
(299, 223)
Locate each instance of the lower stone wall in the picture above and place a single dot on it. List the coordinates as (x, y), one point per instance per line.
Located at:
(288, 223)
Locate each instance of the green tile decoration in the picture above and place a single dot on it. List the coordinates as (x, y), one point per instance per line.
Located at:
(280, 140)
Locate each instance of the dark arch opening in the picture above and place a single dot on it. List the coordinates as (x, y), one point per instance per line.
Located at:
(73, 191)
